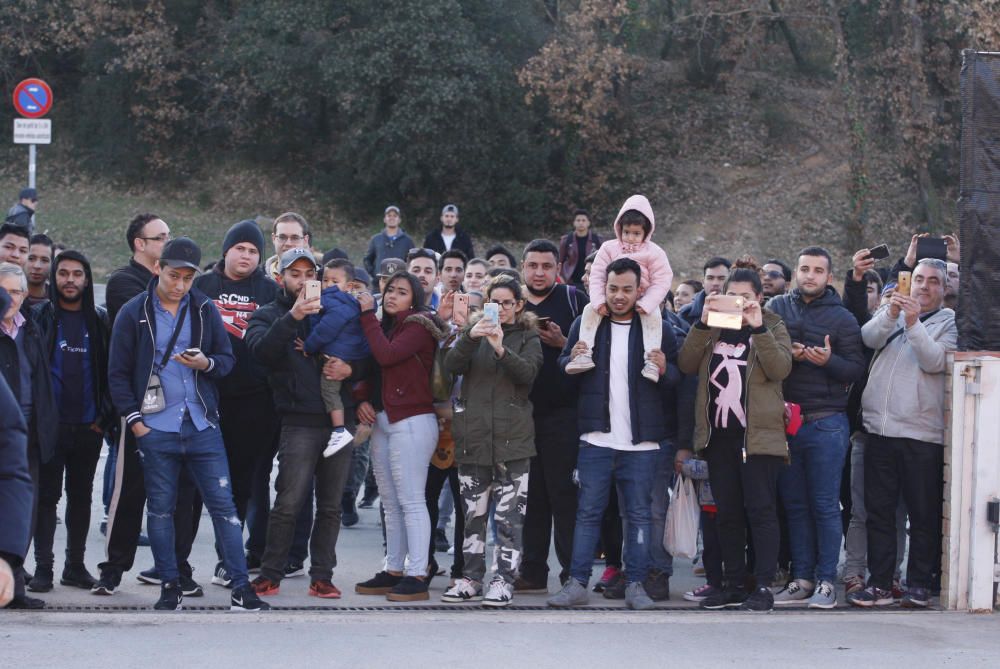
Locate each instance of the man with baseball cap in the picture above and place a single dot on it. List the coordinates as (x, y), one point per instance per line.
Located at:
(22, 214)
(305, 429)
(387, 268)
(169, 348)
(392, 242)
(239, 286)
(449, 236)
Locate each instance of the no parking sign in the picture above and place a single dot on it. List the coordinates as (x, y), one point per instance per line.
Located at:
(32, 98)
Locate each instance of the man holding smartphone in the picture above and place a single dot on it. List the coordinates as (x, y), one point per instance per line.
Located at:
(168, 349)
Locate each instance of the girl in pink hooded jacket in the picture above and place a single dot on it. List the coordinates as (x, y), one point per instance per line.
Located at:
(634, 228)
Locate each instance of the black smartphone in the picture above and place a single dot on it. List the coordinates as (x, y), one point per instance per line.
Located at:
(880, 252)
(543, 321)
(932, 247)
(191, 352)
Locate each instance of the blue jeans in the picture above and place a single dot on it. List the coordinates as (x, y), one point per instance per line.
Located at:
(633, 473)
(163, 456)
(810, 490)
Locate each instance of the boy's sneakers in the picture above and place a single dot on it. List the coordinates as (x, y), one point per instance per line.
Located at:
(464, 590)
(339, 438)
(853, 584)
(824, 597)
(651, 371)
(915, 598)
(798, 591)
(572, 594)
(244, 598)
(724, 599)
(610, 576)
(221, 576)
(265, 586)
(871, 597)
(760, 600)
(499, 593)
(324, 589)
(171, 597)
(700, 593)
(636, 597)
(409, 589)
(380, 584)
(580, 364)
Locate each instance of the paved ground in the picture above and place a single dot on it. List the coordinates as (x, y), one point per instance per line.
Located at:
(124, 632)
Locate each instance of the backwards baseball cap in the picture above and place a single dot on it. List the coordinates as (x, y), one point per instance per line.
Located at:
(291, 255)
(28, 194)
(181, 253)
(450, 209)
(390, 266)
(391, 207)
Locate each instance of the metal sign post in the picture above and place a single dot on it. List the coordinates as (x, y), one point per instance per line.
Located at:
(32, 100)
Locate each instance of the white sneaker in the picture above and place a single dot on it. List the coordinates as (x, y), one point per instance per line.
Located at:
(499, 593)
(464, 590)
(798, 591)
(651, 371)
(580, 364)
(338, 439)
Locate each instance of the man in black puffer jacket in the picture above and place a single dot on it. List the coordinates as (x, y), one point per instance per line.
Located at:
(828, 358)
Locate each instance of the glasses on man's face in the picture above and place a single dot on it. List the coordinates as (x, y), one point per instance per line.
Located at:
(506, 305)
(162, 237)
(774, 274)
(421, 253)
(295, 239)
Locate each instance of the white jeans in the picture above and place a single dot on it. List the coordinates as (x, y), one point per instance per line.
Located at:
(652, 329)
(400, 454)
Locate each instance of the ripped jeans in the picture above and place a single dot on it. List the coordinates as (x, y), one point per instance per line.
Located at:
(632, 472)
(163, 454)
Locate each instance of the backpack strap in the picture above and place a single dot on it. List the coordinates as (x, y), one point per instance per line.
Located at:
(571, 298)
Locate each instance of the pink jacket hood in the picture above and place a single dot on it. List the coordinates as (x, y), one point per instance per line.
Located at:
(641, 205)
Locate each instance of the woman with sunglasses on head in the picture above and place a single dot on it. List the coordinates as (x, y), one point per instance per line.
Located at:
(400, 407)
(494, 437)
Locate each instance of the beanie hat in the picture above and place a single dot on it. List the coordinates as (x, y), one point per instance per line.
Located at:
(244, 231)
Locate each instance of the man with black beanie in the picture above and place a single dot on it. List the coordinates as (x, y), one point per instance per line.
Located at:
(238, 286)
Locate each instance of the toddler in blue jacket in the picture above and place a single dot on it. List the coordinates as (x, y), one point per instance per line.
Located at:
(336, 332)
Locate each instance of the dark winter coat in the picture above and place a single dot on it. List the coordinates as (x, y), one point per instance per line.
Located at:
(336, 330)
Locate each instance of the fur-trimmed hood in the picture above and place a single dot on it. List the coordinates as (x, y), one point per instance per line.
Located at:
(430, 322)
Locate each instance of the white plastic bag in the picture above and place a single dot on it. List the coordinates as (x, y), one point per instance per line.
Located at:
(680, 533)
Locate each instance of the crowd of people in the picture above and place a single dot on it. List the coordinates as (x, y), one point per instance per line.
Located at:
(550, 397)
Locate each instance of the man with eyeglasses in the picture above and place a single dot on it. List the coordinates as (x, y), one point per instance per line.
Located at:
(147, 234)
(423, 264)
(289, 231)
(22, 214)
(25, 368)
(775, 277)
(14, 244)
(392, 242)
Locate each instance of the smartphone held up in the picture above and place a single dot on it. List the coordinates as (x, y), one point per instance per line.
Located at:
(726, 312)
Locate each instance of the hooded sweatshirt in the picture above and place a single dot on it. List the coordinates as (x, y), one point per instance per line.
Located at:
(656, 279)
(76, 343)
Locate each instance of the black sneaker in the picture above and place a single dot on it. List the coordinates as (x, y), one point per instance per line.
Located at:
(380, 584)
(245, 599)
(253, 564)
(221, 576)
(615, 589)
(871, 597)
(41, 581)
(348, 514)
(25, 603)
(77, 576)
(409, 589)
(171, 598)
(190, 587)
(657, 585)
(441, 544)
(293, 570)
(107, 583)
(916, 598)
(149, 577)
(368, 499)
(760, 600)
(724, 599)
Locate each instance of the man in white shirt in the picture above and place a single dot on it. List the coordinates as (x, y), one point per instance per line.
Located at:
(621, 422)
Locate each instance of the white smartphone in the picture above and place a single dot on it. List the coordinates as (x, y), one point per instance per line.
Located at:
(491, 312)
(312, 289)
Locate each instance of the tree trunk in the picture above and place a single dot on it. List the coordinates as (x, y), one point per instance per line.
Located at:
(786, 31)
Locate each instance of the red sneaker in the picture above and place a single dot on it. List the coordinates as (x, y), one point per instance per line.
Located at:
(264, 586)
(323, 588)
(610, 576)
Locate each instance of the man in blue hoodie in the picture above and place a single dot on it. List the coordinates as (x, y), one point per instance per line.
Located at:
(169, 347)
(392, 242)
